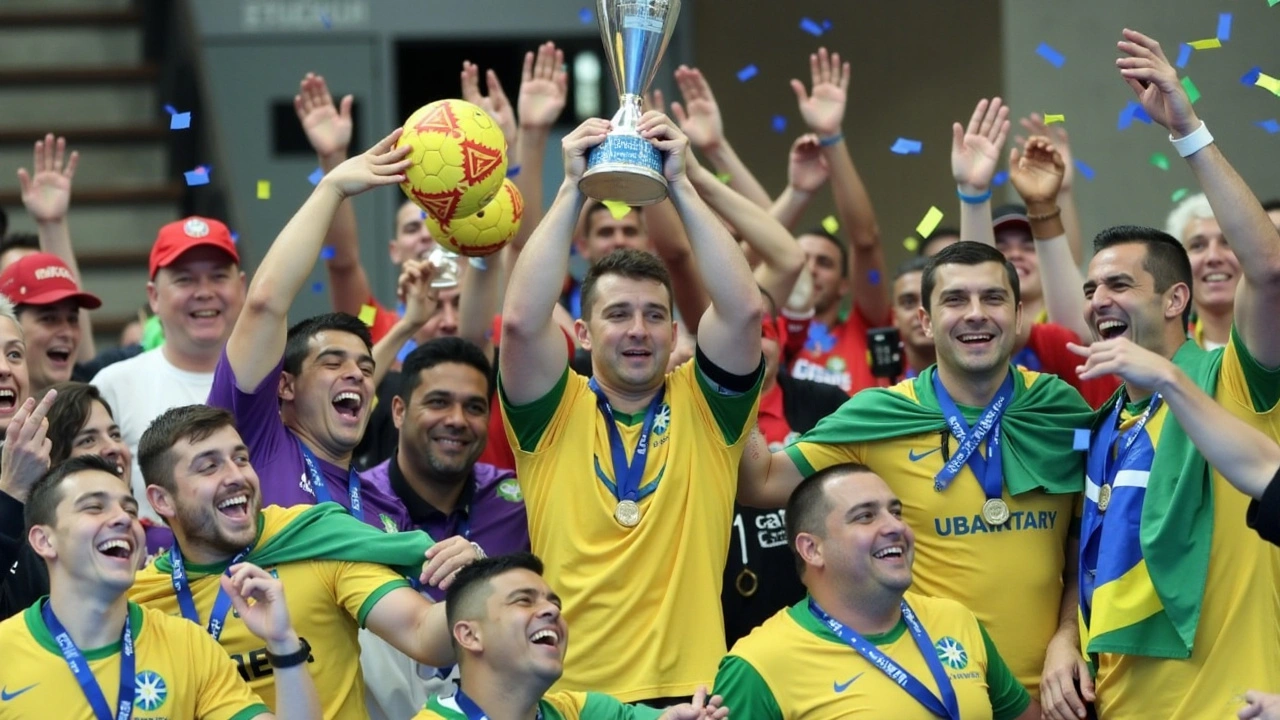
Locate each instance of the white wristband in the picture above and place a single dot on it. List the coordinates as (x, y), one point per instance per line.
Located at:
(1193, 143)
(478, 263)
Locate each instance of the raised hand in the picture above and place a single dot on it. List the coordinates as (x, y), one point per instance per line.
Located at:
(258, 599)
(665, 135)
(496, 103)
(328, 127)
(975, 150)
(415, 291)
(26, 447)
(700, 709)
(823, 109)
(1034, 125)
(544, 87)
(382, 164)
(47, 193)
(653, 100)
(699, 115)
(1155, 81)
(1036, 172)
(807, 168)
(577, 144)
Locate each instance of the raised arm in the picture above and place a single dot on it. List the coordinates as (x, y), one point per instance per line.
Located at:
(700, 120)
(257, 340)
(1253, 238)
(823, 110)
(1034, 125)
(420, 301)
(975, 151)
(807, 172)
(495, 103)
(728, 333)
(413, 625)
(533, 356)
(765, 479)
(543, 90)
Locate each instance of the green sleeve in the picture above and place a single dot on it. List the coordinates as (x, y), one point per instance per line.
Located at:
(1008, 698)
(531, 420)
(1264, 384)
(745, 693)
(367, 606)
(731, 410)
(599, 706)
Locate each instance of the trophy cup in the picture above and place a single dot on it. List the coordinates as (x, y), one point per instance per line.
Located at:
(625, 166)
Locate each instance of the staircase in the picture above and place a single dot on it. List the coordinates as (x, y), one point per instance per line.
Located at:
(77, 68)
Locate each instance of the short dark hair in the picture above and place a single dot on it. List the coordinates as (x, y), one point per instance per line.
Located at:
(937, 234)
(297, 343)
(471, 587)
(915, 264)
(24, 240)
(629, 263)
(1166, 259)
(596, 206)
(965, 252)
(437, 352)
(70, 411)
(808, 506)
(844, 249)
(42, 503)
(192, 423)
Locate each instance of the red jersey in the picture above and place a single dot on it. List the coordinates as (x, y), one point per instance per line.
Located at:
(838, 355)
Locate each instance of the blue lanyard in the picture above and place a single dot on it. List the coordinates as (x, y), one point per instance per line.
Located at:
(990, 472)
(322, 491)
(187, 603)
(472, 710)
(80, 667)
(947, 707)
(627, 476)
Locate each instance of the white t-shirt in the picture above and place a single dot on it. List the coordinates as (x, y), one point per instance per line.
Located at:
(139, 390)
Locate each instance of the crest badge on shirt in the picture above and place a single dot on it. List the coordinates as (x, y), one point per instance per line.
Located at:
(509, 490)
(149, 691)
(388, 525)
(663, 420)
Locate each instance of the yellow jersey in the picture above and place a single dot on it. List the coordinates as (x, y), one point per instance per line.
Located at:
(794, 668)
(328, 603)
(554, 706)
(180, 673)
(1237, 640)
(635, 596)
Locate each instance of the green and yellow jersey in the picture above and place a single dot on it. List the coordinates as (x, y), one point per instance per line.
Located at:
(554, 706)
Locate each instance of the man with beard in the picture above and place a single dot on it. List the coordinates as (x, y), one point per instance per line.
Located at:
(855, 555)
(342, 575)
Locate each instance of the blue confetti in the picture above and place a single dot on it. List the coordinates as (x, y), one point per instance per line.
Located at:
(235, 238)
(196, 177)
(326, 21)
(1132, 111)
(747, 73)
(316, 176)
(1083, 169)
(327, 252)
(873, 277)
(424, 215)
(586, 16)
(513, 170)
(1251, 77)
(811, 27)
(1184, 55)
(317, 287)
(171, 109)
(1270, 126)
(1081, 441)
(1224, 26)
(1001, 178)
(779, 124)
(1140, 114)
(180, 121)
(904, 146)
(1054, 57)
(826, 24)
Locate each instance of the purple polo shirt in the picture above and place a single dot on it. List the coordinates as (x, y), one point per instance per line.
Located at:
(276, 453)
(490, 511)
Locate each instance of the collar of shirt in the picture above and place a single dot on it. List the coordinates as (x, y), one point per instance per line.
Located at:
(421, 511)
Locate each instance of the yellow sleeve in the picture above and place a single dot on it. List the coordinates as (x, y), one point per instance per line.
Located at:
(221, 694)
(358, 586)
(810, 457)
(1247, 384)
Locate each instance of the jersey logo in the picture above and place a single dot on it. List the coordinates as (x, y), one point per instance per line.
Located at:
(663, 419)
(841, 687)
(509, 490)
(952, 653)
(149, 691)
(914, 457)
(388, 525)
(6, 696)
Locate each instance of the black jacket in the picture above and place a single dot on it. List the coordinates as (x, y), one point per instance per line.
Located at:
(1264, 514)
(23, 574)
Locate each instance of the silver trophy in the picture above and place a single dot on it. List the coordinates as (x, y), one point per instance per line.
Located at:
(625, 166)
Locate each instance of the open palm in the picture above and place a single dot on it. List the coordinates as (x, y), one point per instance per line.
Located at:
(544, 85)
(47, 194)
(699, 115)
(1036, 172)
(975, 150)
(823, 108)
(328, 127)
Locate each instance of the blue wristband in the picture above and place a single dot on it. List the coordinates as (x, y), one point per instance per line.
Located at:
(973, 199)
(829, 141)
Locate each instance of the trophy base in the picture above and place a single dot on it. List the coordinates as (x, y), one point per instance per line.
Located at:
(625, 168)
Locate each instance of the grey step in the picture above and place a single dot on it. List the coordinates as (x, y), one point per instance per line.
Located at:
(28, 106)
(49, 5)
(42, 47)
(116, 166)
(105, 228)
(122, 291)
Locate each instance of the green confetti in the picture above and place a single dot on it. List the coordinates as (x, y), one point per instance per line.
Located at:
(1161, 161)
(726, 177)
(1193, 93)
(1272, 3)
(1183, 192)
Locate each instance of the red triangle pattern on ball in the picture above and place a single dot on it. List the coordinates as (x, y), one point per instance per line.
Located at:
(517, 203)
(478, 161)
(441, 205)
(440, 120)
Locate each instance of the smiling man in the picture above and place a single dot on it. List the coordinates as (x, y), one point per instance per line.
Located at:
(48, 303)
(892, 652)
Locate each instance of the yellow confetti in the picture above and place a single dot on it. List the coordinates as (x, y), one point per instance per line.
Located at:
(1266, 81)
(911, 244)
(617, 208)
(1051, 119)
(830, 224)
(264, 189)
(367, 314)
(929, 223)
(1206, 44)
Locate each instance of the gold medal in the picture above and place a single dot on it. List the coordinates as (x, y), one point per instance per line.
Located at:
(1104, 498)
(995, 511)
(627, 513)
(747, 583)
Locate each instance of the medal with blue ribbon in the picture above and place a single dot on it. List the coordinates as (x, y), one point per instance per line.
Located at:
(187, 603)
(472, 710)
(946, 707)
(627, 475)
(989, 471)
(321, 490)
(84, 676)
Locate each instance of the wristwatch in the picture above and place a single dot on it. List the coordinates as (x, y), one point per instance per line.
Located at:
(297, 657)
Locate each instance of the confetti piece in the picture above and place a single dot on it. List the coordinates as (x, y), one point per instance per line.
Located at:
(326, 21)
(1272, 3)
(1224, 26)
(180, 121)
(1051, 119)
(779, 124)
(904, 146)
(171, 109)
(747, 73)
(423, 215)
(830, 224)
(1193, 92)
(912, 244)
(316, 176)
(367, 314)
(235, 238)
(1209, 44)
(1161, 161)
(317, 287)
(1081, 441)
(1270, 126)
(929, 223)
(811, 27)
(1053, 57)
(826, 24)
(264, 189)
(617, 208)
(1083, 169)
(327, 252)
(196, 177)
(1179, 194)
(1184, 55)
(873, 277)
(1266, 81)
(586, 16)
(724, 177)
(1251, 77)
(1001, 178)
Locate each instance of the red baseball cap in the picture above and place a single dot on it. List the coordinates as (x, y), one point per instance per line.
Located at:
(43, 279)
(183, 235)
